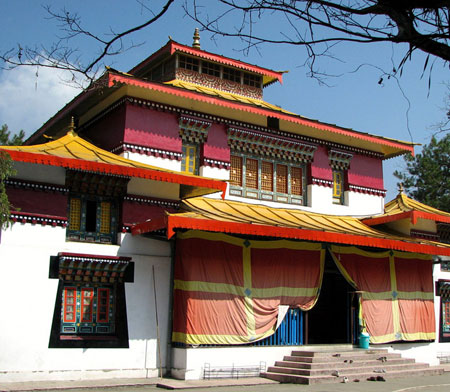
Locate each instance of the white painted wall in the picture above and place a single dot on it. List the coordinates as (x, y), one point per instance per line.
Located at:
(188, 363)
(320, 200)
(164, 163)
(28, 298)
(40, 173)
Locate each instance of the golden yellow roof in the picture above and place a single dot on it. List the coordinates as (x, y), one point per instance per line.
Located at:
(403, 203)
(219, 210)
(72, 151)
(403, 207)
(240, 218)
(226, 95)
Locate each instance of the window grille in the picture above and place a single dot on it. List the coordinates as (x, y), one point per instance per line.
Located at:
(296, 181)
(75, 214)
(236, 171)
(282, 179)
(251, 173)
(266, 176)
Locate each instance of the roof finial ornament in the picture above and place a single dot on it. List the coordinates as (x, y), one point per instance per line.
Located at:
(196, 37)
(72, 126)
(400, 188)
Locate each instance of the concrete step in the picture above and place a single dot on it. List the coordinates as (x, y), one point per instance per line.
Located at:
(339, 352)
(352, 377)
(376, 370)
(296, 356)
(342, 364)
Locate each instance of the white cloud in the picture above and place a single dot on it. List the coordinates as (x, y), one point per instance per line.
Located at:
(27, 101)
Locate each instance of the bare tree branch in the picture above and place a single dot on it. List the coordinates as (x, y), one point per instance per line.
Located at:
(317, 24)
(62, 55)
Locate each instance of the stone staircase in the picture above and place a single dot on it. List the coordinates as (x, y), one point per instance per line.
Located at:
(351, 365)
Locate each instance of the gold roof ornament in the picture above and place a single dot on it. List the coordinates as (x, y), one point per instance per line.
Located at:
(196, 37)
(72, 126)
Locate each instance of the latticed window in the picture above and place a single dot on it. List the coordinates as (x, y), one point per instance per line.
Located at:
(70, 303)
(252, 80)
(267, 180)
(282, 179)
(267, 176)
(87, 297)
(75, 214)
(92, 219)
(251, 173)
(188, 63)
(105, 217)
(296, 181)
(236, 171)
(87, 309)
(210, 68)
(232, 74)
(103, 305)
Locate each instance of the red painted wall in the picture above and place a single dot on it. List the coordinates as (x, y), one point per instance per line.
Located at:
(216, 146)
(108, 132)
(134, 212)
(38, 202)
(151, 128)
(320, 167)
(366, 171)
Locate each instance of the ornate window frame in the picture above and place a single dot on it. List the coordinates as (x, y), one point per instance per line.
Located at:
(340, 163)
(90, 305)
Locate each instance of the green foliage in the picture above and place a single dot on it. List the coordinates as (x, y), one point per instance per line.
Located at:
(427, 176)
(6, 170)
(7, 140)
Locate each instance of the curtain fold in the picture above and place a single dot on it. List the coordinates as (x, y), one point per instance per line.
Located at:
(228, 290)
(396, 288)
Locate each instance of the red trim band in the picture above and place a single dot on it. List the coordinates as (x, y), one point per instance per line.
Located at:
(118, 170)
(113, 79)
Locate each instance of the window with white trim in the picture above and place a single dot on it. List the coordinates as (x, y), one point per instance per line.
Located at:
(267, 179)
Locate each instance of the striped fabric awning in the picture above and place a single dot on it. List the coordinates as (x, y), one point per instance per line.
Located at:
(74, 267)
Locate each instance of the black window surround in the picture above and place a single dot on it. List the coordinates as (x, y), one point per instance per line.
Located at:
(90, 307)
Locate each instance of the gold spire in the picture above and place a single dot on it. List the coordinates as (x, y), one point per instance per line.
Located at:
(72, 126)
(196, 37)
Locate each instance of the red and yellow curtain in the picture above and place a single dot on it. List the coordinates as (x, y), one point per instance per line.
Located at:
(227, 290)
(396, 292)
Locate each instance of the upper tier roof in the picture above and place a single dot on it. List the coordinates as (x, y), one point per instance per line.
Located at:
(200, 100)
(269, 76)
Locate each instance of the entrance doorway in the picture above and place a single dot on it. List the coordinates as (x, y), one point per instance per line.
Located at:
(331, 319)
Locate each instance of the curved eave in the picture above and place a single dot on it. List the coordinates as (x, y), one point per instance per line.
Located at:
(203, 186)
(174, 222)
(412, 215)
(257, 115)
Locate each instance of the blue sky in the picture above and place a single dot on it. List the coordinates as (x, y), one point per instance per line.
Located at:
(29, 96)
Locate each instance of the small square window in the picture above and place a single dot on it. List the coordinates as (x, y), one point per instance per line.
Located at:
(189, 63)
(210, 69)
(232, 74)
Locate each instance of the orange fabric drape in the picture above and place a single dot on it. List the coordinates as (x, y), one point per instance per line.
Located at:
(227, 290)
(397, 292)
